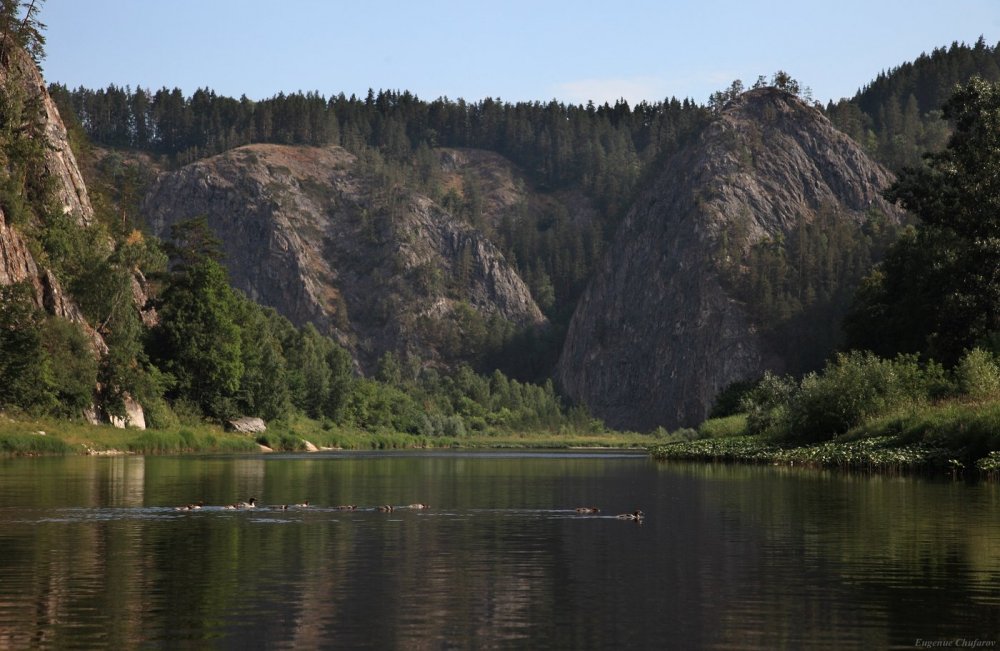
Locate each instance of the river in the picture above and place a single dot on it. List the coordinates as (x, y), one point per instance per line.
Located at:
(93, 554)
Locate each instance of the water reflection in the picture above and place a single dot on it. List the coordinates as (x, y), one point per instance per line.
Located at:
(94, 555)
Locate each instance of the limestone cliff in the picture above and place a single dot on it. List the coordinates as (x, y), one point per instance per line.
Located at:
(379, 266)
(17, 264)
(60, 163)
(660, 329)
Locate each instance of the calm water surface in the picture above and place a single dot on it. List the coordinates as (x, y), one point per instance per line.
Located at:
(93, 555)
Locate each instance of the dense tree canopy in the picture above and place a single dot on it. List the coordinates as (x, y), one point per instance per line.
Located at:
(938, 291)
(897, 116)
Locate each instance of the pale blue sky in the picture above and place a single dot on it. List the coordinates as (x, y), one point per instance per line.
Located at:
(513, 49)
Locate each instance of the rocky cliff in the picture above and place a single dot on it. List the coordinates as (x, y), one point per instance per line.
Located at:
(23, 77)
(315, 234)
(661, 330)
(17, 264)
(26, 96)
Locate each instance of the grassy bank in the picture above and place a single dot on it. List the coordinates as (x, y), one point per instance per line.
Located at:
(956, 438)
(29, 437)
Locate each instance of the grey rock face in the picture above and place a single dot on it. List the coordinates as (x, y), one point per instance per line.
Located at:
(306, 233)
(246, 425)
(657, 333)
(60, 162)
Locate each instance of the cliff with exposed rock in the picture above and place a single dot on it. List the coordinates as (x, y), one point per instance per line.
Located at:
(379, 266)
(17, 263)
(27, 101)
(664, 326)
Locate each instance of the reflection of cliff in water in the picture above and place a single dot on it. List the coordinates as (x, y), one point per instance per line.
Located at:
(727, 556)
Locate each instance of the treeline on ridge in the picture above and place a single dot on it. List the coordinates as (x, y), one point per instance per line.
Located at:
(897, 116)
(601, 148)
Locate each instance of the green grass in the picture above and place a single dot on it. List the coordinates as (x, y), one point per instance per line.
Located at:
(19, 437)
(32, 444)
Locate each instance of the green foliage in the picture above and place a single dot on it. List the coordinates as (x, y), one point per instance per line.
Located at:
(780, 80)
(978, 374)
(875, 454)
(897, 116)
(318, 370)
(938, 290)
(465, 334)
(855, 387)
(766, 404)
(24, 366)
(198, 340)
(373, 406)
(264, 389)
(389, 371)
(21, 31)
(990, 464)
(722, 427)
(729, 401)
(682, 435)
(47, 365)
(72, 366)
(158, 412)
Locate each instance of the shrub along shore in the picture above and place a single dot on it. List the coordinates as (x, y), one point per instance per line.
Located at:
(862, 413)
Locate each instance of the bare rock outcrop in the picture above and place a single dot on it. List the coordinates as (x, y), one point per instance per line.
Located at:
(378, 266)
(660, 331)
(246, 425)
(60, 162)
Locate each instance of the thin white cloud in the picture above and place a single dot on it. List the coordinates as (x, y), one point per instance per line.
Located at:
(633, 90)
(652, 89)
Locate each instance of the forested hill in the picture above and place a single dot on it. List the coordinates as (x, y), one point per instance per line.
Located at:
(579, 165)
(897, 116)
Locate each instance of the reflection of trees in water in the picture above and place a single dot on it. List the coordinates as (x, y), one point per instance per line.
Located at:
(738, 555)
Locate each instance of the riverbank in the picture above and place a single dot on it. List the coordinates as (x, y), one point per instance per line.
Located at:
(953, 438)
(46, 436)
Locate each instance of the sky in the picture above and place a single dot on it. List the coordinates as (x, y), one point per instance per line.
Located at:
(512, 49)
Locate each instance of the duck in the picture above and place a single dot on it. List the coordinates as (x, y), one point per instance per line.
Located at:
(418, 506)
(587, 509)
(249, 504)
(634, 515)
(302, 505)
(385, 508)
(188, 507)
(347, 507)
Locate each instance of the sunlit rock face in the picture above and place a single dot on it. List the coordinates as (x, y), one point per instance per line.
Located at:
(378, 266)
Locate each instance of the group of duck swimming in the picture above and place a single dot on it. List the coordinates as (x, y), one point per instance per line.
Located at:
(634, 515)
(384, 508)
(252, 504)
